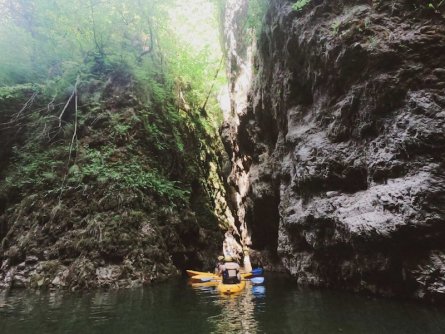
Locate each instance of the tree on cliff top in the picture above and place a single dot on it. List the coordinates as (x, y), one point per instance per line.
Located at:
(42, 40)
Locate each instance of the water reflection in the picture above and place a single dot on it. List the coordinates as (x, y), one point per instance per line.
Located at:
(259, 291)
(174, 307)
(237, 313)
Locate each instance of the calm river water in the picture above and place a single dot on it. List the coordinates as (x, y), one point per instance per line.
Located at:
(175, 307)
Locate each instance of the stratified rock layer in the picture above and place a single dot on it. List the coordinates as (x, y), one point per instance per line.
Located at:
(345, 141)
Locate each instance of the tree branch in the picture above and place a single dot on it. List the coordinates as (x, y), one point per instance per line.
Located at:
(73, 138)
(69, 100)
(26, 105)
(213, 84)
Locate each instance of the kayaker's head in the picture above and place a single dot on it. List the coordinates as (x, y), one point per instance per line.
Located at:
(221, 258)
(228, 259)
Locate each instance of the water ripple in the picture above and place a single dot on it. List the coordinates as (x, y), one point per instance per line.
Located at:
(174, 307)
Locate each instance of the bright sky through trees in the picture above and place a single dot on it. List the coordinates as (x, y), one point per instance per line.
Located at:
(41, 37)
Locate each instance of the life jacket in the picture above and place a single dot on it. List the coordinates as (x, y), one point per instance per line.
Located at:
(231, 273)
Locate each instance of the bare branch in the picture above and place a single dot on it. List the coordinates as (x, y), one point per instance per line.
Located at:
(68, 102)
(75, 126)
(50, 106)
(26, 105)
(213, 84)
(72, 139)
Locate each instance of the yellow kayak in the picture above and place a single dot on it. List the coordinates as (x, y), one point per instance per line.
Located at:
(204, 284)
(201, 274)
(228, 289)
(192, 273)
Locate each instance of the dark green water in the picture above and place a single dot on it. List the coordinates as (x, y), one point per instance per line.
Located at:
(175, 307)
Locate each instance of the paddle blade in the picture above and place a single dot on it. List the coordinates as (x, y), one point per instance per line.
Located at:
(207, 279)
(198, 277)
(257, 271)
(257, 280)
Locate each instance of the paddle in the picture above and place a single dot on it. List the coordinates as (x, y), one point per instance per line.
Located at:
(257, 280)
(257, 271)
(203, 276)
(207, 279)
(254, 280)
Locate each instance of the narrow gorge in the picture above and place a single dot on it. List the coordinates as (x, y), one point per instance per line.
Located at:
(311, 132)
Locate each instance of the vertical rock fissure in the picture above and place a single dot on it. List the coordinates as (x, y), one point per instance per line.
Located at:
(256, 220)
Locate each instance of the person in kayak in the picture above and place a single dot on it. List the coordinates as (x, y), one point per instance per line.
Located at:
(219, 263)
(230, 271)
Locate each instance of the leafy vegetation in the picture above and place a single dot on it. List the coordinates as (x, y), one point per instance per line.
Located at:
(256, 11)
(335, 26)
(436, 4)
(124, 96)
(432, 4)
(125, 175)
(300, 4)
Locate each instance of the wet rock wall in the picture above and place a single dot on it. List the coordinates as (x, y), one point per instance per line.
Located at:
(343, 142)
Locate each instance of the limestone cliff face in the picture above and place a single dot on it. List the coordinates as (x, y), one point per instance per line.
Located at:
(343, 141)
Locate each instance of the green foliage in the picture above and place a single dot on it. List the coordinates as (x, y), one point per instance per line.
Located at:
(121, 129)
(15, 92)
(373, 42)
(155, 136)
(335, 26)
(49, 35)
(146, 70)
(126, 175)
(256, 11)
(35, 168)
(436, 4)
(300, 4)
(11, 96)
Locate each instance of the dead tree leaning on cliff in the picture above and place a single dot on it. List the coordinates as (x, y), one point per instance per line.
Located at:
(73, 94)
